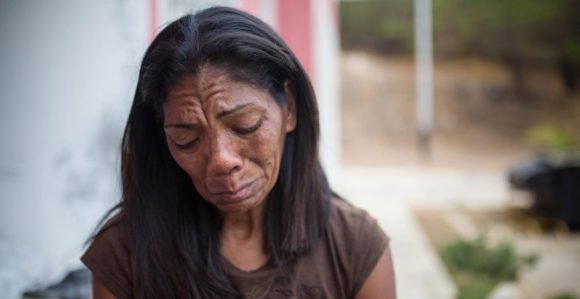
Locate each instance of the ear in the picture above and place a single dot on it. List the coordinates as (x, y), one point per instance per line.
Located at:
(290, 109)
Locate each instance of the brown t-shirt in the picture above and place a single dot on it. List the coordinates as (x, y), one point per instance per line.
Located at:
(336, 268)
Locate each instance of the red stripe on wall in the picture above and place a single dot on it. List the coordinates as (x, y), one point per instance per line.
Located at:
(252, 6)
(332, 7)
(153, 18)
(295, 27)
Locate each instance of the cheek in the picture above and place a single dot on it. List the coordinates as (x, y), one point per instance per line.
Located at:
(193, 168)
(187, 162)
(265, 149)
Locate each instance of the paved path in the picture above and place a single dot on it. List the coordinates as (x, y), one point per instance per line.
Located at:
(389, 194)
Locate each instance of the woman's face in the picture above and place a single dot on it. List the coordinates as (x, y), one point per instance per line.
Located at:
(228, 137)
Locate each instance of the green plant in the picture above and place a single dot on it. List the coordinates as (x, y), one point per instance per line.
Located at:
(477, 267)
(563, 296)
(551, 139)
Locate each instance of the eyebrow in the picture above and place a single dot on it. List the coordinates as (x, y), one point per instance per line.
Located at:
(233, 110)
(220, 115)
(181, 126)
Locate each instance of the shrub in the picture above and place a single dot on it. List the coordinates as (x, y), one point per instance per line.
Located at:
(477, 267)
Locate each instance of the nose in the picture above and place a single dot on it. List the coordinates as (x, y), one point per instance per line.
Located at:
(223, 158)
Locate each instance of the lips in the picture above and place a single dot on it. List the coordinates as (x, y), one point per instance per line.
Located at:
(236, 195)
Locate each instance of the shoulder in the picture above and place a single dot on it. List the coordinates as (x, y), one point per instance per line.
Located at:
(357, 240)
(349, 221)
(108, 257)
(111, 235)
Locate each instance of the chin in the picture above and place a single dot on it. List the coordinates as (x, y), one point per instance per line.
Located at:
(240, 206)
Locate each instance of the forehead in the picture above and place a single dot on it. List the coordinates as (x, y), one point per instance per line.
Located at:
(213, 88)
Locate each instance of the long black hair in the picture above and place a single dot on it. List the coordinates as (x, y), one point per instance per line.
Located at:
(173, 233)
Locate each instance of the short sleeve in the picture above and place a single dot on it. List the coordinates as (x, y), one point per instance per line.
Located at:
(360, 242)
(108, 259)
(371, 242)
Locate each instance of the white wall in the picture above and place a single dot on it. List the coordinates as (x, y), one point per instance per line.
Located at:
(67, 74)
(326, 67)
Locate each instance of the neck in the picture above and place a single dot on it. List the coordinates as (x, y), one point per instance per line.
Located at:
(242, 227)
(241, 239)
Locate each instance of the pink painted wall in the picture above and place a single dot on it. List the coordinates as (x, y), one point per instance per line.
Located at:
(251, 6)
(294, 25)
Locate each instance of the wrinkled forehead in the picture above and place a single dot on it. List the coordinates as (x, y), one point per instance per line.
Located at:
(209, 78)
(197, 84)
(208, 85)
(213, 92)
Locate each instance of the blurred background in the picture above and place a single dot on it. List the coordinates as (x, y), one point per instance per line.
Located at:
(456, 123)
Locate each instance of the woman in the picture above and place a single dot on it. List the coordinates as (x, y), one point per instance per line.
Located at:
(223, 193)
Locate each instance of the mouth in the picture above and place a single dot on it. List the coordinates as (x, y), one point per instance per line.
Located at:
(235, 196)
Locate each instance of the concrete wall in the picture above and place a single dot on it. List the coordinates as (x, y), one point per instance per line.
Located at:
(67, 74)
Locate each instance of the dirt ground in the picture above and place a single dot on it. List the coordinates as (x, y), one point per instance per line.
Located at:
(480, 123)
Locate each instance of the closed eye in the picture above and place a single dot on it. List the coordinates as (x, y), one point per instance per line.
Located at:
(248, 130)
(187, 145)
